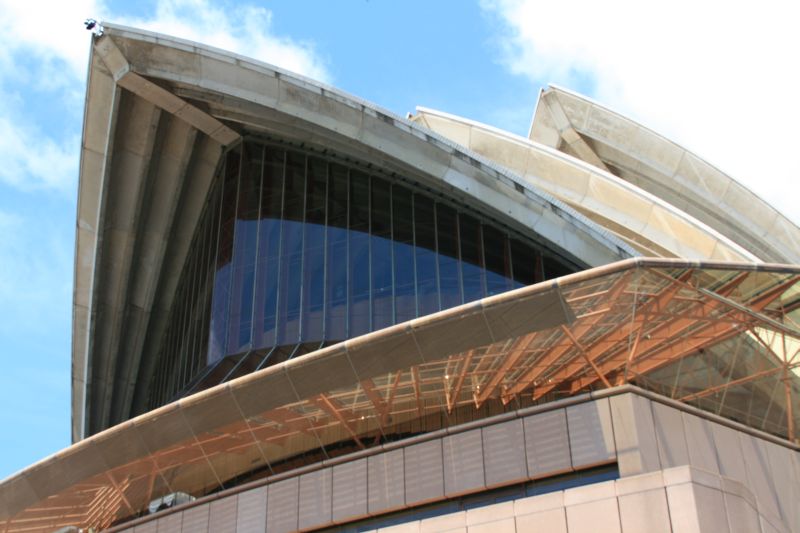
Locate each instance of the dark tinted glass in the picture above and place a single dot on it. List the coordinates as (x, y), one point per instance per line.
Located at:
(472, 271)
(447, 240)
(295, 251)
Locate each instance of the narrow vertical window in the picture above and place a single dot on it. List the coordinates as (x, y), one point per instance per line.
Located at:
(222, 279)
(403, 254)
(337, 256)
(244, 251)
(291, 256)
(425, 255)
(269, 241)
(497, 260)
(472, 272)
(359, 275)
(447, 240)
(314, 251)
(381, 253)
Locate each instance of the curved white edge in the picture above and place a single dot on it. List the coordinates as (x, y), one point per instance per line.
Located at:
(543, 196)
(726, 181)
(618, 182)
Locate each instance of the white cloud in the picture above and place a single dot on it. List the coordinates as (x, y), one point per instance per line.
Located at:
(245, 29)
(46, 37)
(32, 160)
(718, 77)
(44, 52)
(50, 34)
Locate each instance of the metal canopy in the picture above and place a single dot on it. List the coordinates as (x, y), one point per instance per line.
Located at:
(723, 337)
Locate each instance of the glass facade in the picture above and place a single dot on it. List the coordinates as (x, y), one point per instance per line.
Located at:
(297, 250)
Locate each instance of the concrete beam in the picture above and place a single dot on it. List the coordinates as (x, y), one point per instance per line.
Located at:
(193, 195)
(135, 140)
(177, 143)
(126, 78)
(568, 134)
(669, 171)
(96, 152)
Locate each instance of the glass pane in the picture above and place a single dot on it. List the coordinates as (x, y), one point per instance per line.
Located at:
(244, 253)
(314, 252)
(222, 280)
(381, 252)
(291, 256)
(336, 302)
(526, 264)
(359, 254)
(553, 268)
(425, 255)
(471, 257)
(498, 261)
(447, 234)
(269, 239)
(403, 253)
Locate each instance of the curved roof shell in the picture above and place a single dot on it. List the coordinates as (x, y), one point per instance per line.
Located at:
(643, 220)
(585, 129)
(159, 113)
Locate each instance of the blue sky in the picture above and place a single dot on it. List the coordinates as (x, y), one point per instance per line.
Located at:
(718, 79)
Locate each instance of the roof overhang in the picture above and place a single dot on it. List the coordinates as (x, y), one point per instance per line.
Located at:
(721, 336)
(159, 114)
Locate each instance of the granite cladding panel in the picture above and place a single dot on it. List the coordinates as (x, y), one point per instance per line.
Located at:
(251, 513)
(195, 519)
(504, 453)
(547, 443)
(634, 434)
(222, 514)
(700, 443)
(670, 436)
(349, 489)
(591, 434)
(385, 481)
(463, 462)
(424, 472)
(170, 523)
(282, 498)
(315, 498)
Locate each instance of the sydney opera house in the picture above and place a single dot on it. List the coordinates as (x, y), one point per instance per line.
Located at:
(294, 310)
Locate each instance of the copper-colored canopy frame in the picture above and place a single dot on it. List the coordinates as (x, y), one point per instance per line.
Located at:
(723, 337)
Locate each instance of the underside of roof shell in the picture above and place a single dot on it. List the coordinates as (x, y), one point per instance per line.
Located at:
(160, 113)
(589, 131)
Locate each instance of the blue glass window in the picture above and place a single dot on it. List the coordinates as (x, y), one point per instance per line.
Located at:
(447, 246)
(425, 254)
(296, 250)
(403, 255)
(269, 240)
(291, 255)
(381, 254)
(472, 271)
(313, 287)
(337, 255)
(359, 272)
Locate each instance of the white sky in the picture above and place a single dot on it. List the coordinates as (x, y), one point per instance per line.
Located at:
(720, 78)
